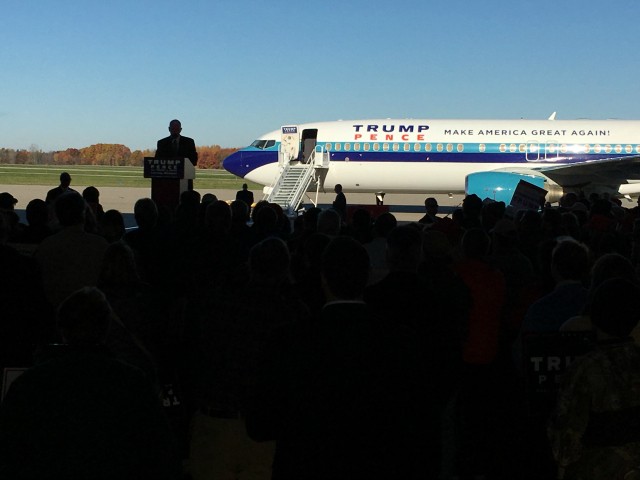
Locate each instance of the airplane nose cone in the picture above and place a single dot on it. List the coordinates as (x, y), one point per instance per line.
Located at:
(244, 162)
(236, 164)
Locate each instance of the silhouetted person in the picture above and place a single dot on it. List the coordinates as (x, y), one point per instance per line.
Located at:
(304, 226)
(339, 396)
(569, 267)
(518, 273)
(361, 227)
(530, 235)
(305, 269)
(111, 226)
(240, 231)
(265, 222)
(26, 316)
(91, 195)
(552, 226)
(7, 201)
(81, 413)
(208, 198)
(471, 212)
(216, 254)
(329, 223)
(429, 319)
(431, 207)
(245, 195)
(146, 240)
(191, 198)
(177, 146)
(54, 193)
(37, 228)
(340, 203)
(7, 208)
(283, 223)
(437, 270)
(72, 258)
(567, 201)
(480, 390)
(611, 265)
(492, 212)
(595, 429)
(130, 298)
(377, 247)
(233, 328)
(571, 225)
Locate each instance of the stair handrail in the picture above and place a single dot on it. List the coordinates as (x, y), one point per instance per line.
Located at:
(318, 160)
(295, 197)
(277, 182)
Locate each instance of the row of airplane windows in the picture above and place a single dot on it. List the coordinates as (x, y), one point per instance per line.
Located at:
(504, 148)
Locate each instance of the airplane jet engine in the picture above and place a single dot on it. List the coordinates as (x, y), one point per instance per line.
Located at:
(501, 185)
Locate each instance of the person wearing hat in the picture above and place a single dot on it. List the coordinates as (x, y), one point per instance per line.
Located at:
(7, 209)
(7, 201)
(54, 193)
(595, 430)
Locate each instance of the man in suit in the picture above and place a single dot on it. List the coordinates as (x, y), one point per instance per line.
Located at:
(177, 146)
(245, 195)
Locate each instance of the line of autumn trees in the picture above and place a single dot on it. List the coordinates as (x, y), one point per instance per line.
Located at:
(105, 154)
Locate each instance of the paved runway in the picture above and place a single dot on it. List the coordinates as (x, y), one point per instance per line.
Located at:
(406, 207)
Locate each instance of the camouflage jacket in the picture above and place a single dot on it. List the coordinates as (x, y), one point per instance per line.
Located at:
(595, 429)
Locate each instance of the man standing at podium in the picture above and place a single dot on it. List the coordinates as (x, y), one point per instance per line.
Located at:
(177, 146)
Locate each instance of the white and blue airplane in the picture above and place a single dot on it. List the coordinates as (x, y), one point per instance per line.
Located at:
(486, 157)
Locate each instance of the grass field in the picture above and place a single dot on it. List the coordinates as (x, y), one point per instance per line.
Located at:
(103, 176)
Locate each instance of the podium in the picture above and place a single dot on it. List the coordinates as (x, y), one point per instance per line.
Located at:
(169, 178)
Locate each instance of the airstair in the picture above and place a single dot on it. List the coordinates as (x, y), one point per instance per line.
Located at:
(296, 177)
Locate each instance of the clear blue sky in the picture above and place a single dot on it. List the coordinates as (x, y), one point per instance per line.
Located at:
(77, 72)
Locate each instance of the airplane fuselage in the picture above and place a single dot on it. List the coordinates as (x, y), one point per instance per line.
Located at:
(421, 156)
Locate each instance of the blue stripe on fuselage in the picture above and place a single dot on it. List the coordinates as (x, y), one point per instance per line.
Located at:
(244, 161)
(466, 157)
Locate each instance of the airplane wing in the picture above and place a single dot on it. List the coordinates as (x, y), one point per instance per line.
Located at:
(610, 172)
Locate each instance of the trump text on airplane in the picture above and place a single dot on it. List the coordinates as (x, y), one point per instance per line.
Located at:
(390, 133)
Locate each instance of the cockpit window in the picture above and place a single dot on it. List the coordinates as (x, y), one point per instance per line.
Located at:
(262, 144)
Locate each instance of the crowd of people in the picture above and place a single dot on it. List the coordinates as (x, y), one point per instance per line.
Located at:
(225, 341)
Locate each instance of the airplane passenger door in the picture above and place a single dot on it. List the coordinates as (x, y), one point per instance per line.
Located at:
(533, 151)
(289, 144)
(309, 140)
